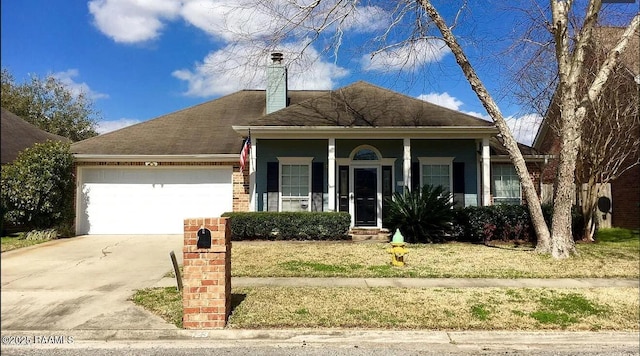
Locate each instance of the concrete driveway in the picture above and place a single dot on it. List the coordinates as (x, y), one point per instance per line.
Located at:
(84, 282)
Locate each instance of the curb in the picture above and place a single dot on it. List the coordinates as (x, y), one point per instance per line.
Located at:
(341, 336)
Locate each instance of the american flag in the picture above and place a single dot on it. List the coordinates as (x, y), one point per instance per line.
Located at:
(244, 153)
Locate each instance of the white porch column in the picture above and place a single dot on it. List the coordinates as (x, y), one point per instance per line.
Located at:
(331, 175)
(486, 172)
(406, 163)
(253, 202)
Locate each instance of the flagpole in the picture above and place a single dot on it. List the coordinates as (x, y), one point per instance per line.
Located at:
(252, 175)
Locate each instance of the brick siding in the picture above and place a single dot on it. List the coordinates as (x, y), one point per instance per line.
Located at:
(625, 193)
(206, 294)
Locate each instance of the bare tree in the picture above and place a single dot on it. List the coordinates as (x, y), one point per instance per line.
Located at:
(411, 25)
(609, 145)
(570, 57)
(611, 137)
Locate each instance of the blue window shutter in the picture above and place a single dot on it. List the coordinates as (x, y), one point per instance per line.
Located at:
(273, 185)
(272, 177)
(458, 177)
(415, 176)
(317, 186)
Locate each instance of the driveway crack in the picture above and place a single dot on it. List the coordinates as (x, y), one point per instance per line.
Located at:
(450, 339)
(105, 251)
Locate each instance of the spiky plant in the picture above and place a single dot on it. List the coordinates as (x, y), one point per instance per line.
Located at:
(423, 215)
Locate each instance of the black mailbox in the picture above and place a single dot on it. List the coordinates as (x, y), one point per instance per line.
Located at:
(204, 238)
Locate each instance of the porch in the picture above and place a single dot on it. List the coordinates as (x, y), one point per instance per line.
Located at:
(359, 176)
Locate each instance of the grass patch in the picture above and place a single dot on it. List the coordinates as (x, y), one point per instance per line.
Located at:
(572, 303)
(480, 312)
(566, 309)
(308, 267)
(548, 317)
(615, 255)
(615, 243)
(8, 243)
(164, 302)
(618, 236)
(172, 273)
(614, 309)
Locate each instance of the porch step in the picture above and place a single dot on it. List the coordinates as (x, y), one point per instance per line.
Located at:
(369, 235)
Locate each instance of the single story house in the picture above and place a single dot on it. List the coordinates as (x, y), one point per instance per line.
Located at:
(18, 135)
(311, 150)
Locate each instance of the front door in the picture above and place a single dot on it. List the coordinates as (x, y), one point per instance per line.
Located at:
(365, 184)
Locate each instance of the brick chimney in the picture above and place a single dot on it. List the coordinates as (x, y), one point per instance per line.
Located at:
(276, 84)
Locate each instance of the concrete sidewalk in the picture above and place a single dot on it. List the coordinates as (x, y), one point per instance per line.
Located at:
(425, 282)
(416, 340)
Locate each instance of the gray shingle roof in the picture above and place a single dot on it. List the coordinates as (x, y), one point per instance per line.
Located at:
(202, 129)
(17, 134)
(207, 128)
(364, 104)
(497, 148)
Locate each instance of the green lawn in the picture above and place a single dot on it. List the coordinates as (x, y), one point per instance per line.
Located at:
(426, 308)
(8, 243)
(615, 255)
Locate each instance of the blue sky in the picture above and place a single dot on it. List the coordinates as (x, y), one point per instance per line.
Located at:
(140, 59)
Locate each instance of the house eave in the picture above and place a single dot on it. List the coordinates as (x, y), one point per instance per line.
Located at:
(156, 158)
(527, 158)
(370, 132)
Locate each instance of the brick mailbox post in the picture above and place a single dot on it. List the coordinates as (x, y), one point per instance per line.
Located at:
(206, 294)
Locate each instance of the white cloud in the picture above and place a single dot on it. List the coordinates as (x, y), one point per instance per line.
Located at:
(228, 19)
(442, 99)
(131, 21)
(524, 127)
(239, 67)
(408, 56)
(66, 78)
(113, 125)
(450, 102)
(367, 19)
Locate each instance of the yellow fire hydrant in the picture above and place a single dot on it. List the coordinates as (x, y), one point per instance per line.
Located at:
(397, 249)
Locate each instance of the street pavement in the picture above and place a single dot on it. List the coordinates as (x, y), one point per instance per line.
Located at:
(75, 293)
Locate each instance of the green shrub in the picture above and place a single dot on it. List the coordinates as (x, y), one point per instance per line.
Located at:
(289, 225)
(504, 223)
(577, 219)
(37, 188)
(424, 215)
(48, 234)
(496, 222)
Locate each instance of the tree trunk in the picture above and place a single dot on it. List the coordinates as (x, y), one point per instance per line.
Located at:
(563, 245)
(589, 201)
(528, 188)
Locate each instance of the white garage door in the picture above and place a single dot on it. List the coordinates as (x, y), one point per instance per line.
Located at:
(150, 200)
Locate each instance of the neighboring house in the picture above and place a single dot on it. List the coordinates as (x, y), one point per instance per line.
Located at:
(18, 135)
(625, 190)
(331, 150)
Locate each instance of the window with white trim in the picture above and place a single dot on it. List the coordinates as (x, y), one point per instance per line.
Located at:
(436, 171)
(295, 183)
(505, 184)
